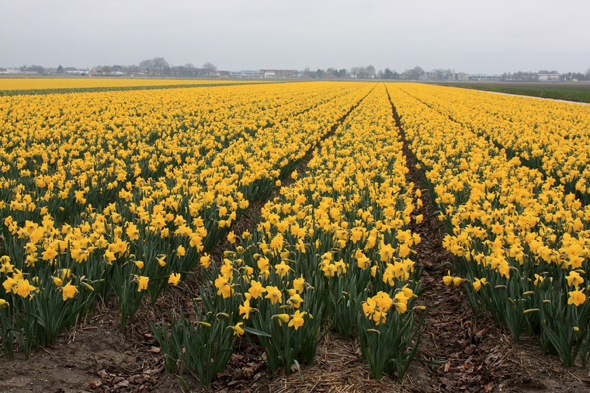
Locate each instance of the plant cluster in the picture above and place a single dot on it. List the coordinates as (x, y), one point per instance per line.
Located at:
(520, 239)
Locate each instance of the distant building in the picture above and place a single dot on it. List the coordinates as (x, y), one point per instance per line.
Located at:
(245, 74)
(553, 77)
(278, 74)
(484, 77)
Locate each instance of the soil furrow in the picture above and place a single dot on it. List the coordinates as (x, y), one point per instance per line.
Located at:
(467, 345)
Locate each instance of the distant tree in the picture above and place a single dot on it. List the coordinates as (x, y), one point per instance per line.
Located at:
(60, 69)
(415, 73)
(342, 72)
(210, 68)
(106, 69)
(36, 68)
(146, 65)
(320, 73)
(132, 69)
(155, 66)
(117, 68)
(387, 74)
(371, 71)
(160, 65)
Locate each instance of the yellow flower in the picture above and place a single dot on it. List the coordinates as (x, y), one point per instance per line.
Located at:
(10, 285)
(295, 300)
(256, 289)
(576, 297)
(299, 284)
(49, 254)
(273, 294)
(139, 264)
(180, 251)
(206, 261)
(478, 283)
(68, 291)
(574, 278)
(297, 320)
(142, 283)
(282, 318)
(24, 289)
(223, 287)
(245, 309)
(161, 260)
(58, 281)
(448, 279)
(238, 330)
(174, 279)
(282, 269)
(132, 232)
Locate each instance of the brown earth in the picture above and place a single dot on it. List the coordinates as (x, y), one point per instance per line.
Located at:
(471, 353)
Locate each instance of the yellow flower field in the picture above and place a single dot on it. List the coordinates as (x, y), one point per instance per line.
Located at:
(76, 83)
(127, 193)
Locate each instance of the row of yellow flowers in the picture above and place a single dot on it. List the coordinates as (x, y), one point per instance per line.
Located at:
(76, 83)
(333, 250)
(123, 192)
(548, 135)
(521, 242)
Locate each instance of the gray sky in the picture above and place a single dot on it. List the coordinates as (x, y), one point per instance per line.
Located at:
(466, 35)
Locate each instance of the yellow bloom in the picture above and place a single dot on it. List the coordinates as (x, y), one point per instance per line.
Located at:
(49, 254)
(245, 309)
(206, 261)
(256, 289)
(180, 251)
(68, 291)
(161, 260)
(478, 283)
(576, 297)
(139, 264)
(223, 287)
(10, 285)
(273, 294)
(574, 278)
(297, 320)
(174, 279)
(282, 269)
(299, 284)
(282, 318)
(295, 300)
(24, 289)
(142, 283)
(132, 232)
(448, 279)
(238, 330)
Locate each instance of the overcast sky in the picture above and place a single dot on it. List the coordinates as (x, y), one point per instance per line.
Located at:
(466, 35)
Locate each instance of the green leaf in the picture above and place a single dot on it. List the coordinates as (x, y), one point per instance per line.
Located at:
(255, 332)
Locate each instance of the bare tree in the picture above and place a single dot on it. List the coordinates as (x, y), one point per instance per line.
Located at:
(160, 65)
(210, 68)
